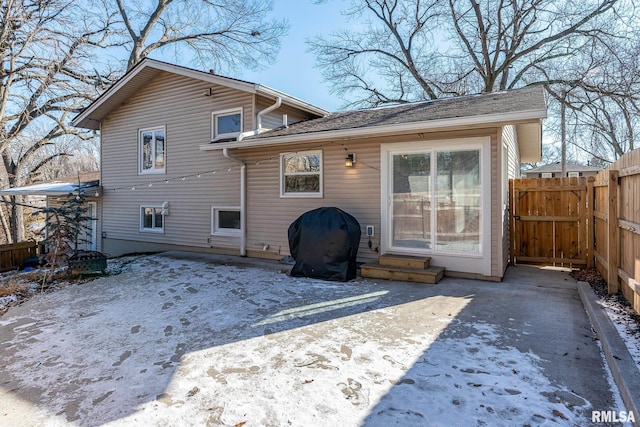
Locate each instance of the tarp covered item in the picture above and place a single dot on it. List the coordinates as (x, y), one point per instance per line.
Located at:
(324, 242)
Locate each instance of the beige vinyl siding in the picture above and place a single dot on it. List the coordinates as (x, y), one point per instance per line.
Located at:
(496, 204)
(180, 105)
(273, 119)
(354, 190)
(509, 139)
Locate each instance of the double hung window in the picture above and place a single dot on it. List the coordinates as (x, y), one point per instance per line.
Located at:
(301, 174)
(152, 150)
(151, 219)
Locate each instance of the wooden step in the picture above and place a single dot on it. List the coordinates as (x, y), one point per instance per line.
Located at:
(405, 261)
(374, 270)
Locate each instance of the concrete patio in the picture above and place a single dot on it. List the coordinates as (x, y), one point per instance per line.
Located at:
(188, 339)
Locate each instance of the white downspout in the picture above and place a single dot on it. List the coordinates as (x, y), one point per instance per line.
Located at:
(261, 113)
(243, 201)
(243, 175)
(268, 110)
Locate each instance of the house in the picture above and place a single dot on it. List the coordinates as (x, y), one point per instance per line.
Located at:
(196, 161)
(554, 170)
(56, 191)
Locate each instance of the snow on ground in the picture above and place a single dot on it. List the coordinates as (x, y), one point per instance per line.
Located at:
(627, 324)
(176, 343)
(18, 286)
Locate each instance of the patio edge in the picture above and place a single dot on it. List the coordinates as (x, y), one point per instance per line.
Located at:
(625, 371)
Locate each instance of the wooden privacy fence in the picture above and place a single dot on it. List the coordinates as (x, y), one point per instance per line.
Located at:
(580, 222)
(617, 227)
(550, 221)
(12, 255)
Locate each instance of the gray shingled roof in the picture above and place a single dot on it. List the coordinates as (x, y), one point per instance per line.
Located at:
(518, 100)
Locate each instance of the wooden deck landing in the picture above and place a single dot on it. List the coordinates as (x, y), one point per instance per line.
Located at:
(403, 268)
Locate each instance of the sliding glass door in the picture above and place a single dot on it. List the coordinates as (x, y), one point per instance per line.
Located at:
(411, 198)
(434, 200)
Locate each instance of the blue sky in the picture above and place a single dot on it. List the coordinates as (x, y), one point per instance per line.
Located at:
(294, 70)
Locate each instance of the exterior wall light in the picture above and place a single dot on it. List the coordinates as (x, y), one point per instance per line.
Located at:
(350, 160)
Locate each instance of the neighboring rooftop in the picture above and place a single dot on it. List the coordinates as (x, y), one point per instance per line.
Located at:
(557, 167)
(87, 182)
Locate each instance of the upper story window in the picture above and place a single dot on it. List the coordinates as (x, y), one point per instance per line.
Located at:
(301, 174)
(152, 150)
(226, 124)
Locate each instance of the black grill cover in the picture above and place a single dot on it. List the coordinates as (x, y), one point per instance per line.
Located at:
(324, 242)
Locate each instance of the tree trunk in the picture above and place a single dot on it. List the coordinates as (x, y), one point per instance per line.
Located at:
(6, 228)
(17, 219)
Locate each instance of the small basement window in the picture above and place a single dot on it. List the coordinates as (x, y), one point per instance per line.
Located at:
(225, 221)
(151, 219)
(226, 124)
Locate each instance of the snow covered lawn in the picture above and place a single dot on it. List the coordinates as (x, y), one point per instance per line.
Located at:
(175, 342)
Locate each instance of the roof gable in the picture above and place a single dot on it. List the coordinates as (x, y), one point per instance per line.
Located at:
(148, 69)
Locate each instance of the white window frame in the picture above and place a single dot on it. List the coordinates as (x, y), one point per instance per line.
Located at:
(153, 229)
(573, 174)
(153, 170)
(309, 194)
(214, 124)
(215, 225)
(546, 175)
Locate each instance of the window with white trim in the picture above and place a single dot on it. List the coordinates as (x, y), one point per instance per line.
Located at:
(226, 124)
(151, 219)
(152, 150)
(225, 221)
(547, 175)
(301, 174)
(574, 174)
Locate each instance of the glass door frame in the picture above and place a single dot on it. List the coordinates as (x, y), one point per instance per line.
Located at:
(480, 262)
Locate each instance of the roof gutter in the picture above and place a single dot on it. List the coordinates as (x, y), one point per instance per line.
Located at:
(489, 119)
(243, 201)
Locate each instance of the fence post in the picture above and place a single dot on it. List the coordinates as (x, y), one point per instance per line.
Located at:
(613, 234)
(591, 236)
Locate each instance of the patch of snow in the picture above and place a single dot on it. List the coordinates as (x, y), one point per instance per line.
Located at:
(628, 327)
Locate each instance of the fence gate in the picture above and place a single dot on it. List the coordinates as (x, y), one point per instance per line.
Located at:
(549, 220)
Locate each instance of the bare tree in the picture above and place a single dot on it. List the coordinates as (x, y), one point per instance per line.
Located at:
(50, 70)
(220, 33)
(407, 50)
(412, 49)
(48, 73)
